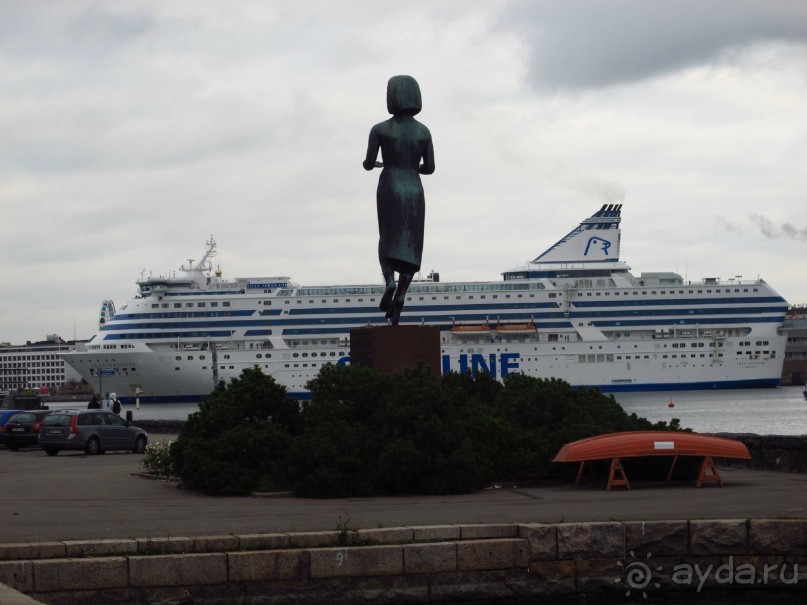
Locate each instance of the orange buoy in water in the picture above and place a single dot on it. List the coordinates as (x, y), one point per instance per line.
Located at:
(671, 404)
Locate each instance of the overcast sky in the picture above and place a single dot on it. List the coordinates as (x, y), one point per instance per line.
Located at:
(130, 131)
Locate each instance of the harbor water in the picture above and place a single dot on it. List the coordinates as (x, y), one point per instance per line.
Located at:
(778, 411)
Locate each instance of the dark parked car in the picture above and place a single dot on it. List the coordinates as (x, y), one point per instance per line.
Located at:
(22, 428)
(94, 431)
(4, 416)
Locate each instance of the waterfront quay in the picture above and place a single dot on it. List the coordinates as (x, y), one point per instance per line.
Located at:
(91, 529)
(73, 496)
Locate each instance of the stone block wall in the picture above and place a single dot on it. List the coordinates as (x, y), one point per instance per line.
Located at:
(760, 558)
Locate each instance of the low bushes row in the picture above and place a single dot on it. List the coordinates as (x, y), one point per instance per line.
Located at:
(363, 433)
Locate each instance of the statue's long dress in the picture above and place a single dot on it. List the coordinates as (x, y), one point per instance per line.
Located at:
(400, 200)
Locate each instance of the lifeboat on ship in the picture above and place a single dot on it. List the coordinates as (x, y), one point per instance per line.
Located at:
(471, 329)
(634, 444)
(516, 329)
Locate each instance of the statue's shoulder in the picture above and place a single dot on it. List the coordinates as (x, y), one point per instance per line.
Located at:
(424, 130)
(381, 126)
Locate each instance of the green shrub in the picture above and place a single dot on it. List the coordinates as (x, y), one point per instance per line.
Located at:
(367, 433)
(238, 438)
(364, 433)
(518, 426)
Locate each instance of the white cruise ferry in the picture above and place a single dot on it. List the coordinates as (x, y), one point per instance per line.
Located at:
(576, 313)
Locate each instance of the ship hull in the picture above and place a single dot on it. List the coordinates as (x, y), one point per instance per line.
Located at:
(162, 378)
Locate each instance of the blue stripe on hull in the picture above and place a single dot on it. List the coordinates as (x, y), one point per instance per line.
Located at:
(761, 383)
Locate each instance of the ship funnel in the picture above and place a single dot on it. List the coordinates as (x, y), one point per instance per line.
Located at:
(596, 239)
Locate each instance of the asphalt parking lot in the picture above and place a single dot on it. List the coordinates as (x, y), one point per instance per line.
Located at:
(74, 496)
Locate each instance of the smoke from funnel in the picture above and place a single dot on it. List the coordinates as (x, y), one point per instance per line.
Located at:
(769, 230)
(603, 191)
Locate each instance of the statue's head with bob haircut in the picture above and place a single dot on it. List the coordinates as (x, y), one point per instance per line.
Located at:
(403, 96)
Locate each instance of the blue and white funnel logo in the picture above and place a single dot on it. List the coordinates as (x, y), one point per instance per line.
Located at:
(594, 242)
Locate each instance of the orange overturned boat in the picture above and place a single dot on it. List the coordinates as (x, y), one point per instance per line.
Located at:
(634, 444)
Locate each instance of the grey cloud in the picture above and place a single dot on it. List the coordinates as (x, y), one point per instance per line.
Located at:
(582, 45)
(769, 230)
(764, 224)
(726, 225)
(72, 29)
(794, 232)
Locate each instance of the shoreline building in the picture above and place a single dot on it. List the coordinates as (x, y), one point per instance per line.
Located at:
(36, 365)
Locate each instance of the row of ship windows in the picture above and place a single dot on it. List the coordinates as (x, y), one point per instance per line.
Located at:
(416, 288)
(324, 301)
(746, 343)
(187, 305)
(269, 355)
(288, 365)
(694, 345)
(601, 357)
(331, 342)
(109, 347)
(663, 292)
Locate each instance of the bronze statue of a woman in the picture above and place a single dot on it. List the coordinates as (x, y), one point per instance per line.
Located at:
(400, 201)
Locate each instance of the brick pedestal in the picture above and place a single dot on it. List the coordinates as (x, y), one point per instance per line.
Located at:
(393, 349)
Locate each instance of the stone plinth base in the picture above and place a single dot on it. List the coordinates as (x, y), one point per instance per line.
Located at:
(393, 349)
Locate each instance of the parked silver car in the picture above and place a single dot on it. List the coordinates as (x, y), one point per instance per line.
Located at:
(94, 431)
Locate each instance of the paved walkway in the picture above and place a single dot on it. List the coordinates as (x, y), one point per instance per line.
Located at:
(73, 496)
